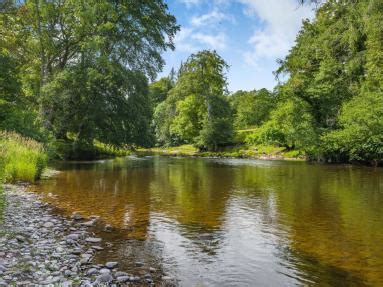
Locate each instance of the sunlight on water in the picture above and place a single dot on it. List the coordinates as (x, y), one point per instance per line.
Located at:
(233, 222)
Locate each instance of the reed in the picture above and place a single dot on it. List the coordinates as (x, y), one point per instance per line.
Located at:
(21, 158)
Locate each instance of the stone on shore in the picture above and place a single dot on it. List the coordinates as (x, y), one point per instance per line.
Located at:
(93, 239)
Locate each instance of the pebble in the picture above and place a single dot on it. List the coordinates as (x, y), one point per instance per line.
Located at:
(38, 247)
(123, 279)
(93, 239)
(48, 224)
(111, 265)
(77, 216)
(104, 278)
(92, 271)
(104, 270)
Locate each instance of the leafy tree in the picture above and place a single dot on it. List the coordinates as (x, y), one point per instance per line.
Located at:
(291, 125)
(251, 108)
(101, 100)
(84, 64)
(196, 104)
(158, 90)
(361, 119)
(326, 64)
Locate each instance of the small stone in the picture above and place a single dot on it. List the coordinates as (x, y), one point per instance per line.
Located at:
(48, 224)
(121, 274)
(139, 264)
(76, 251)
(77, 216)
(92, 271)
(20, 238)
(104, 270)
(93, 239)
(123, 279)
(104, 278)
(111, 265)
(152, 270)
(73, 236)
(98, 248)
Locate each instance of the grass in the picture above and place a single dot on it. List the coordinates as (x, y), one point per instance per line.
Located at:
(239, 151)
(182, 150)
(21, 159)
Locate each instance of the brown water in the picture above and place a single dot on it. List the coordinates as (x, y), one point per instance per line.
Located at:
(231, 222)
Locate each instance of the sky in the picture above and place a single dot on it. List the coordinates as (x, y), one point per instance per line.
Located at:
(250, 35)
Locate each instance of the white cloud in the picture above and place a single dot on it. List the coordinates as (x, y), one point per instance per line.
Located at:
(182, 41)
(217, 42)
(213, 17)
(190, 3)
(281, 21)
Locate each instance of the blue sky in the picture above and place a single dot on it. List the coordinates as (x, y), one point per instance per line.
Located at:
(249, 34)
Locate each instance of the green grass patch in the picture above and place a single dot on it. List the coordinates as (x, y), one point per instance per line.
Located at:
(182, 150)
(21, 159)
(238, 151)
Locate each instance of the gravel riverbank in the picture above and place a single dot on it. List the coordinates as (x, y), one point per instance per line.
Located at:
(39, 247)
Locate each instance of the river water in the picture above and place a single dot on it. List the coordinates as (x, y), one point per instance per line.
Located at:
(232, 222)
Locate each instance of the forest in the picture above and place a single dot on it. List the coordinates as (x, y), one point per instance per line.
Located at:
(77, 77)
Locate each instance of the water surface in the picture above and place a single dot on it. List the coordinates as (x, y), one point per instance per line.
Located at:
(232, 222)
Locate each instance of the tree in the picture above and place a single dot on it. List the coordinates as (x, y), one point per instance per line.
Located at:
(158, 90)
(196, 104)
(291, 125)
(84, 64)
(327, 62)
(360, 136)
(251, 108)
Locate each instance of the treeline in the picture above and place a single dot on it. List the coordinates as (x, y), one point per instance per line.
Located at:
(331, 106)
(76, 74)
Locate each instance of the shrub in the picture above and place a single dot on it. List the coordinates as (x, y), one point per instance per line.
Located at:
(291, 125)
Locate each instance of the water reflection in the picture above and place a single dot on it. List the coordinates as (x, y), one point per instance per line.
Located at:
(234, 222)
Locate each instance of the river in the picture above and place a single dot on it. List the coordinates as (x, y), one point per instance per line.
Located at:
(232, 222)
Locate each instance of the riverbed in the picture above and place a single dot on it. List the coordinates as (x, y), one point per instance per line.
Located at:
(231, 222)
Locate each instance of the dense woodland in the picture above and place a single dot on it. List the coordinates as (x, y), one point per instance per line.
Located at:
(74, 74)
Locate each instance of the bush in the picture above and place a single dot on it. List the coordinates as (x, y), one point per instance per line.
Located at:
(361, 134)
(291, 125)
(21, 159)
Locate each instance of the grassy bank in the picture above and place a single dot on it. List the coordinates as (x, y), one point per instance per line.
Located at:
(21, 159)
(240, 151)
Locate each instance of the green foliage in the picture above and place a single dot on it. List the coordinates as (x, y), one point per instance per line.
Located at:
(196, 109)
(251, 108)
(21, 159)
(82, 68)
(291, 125)
(159, 90)
(361, 133)
(188, 121)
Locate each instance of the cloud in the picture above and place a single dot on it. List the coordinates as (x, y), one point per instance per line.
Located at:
(182, 42)
(281, 20)
(190, 3)
(217, 42)
(211, 18)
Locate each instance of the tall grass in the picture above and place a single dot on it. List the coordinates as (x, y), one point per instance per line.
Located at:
(21, 159)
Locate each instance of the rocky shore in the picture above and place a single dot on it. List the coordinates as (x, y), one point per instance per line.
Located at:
(39, 247)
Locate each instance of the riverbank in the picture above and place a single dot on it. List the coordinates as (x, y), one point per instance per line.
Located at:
(242, 151)
(39, 247)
